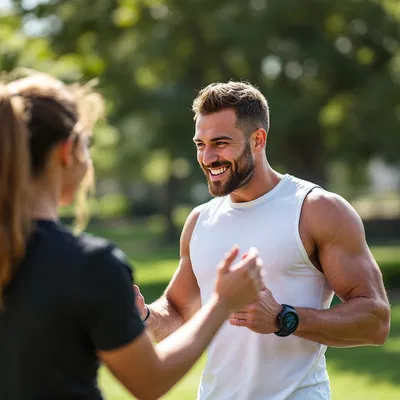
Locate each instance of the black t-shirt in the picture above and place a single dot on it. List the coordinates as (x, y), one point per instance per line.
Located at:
(70, 297)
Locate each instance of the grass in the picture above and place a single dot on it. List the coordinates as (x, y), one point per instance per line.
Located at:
(364, 373)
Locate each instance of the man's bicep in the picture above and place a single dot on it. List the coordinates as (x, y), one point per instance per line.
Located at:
(343, 253)
(351, 275)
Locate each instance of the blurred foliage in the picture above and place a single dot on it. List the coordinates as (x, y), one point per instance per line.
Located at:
(330, 70)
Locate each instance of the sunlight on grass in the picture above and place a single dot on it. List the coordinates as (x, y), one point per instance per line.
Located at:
(360, 387)
(157, 271)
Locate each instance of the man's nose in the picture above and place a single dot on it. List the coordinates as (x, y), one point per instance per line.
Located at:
(209, 156)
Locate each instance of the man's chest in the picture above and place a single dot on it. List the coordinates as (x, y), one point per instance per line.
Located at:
(275, 238)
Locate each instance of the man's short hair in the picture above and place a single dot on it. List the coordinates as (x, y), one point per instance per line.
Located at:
(250, 106)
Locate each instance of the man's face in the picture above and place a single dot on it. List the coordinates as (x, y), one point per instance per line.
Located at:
(223, 152)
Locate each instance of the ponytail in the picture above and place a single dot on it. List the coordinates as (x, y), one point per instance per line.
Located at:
(14, 185)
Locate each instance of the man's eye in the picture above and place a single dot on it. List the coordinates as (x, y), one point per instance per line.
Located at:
(199, 145)
(221, 143)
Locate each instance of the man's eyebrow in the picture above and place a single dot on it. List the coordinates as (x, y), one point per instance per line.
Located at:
(216, 139)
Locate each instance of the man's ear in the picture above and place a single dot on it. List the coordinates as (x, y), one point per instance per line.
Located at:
(259, 140)
(65, 152)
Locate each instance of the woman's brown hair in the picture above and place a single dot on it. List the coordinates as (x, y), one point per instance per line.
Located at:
(36, 112)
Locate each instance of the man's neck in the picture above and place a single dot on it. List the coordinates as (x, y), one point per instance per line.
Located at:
(263, 180)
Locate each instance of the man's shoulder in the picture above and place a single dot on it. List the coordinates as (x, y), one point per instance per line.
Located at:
(322, 200)
(326, 212)
(318, 198)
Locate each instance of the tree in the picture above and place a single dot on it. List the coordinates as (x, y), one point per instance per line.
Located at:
(330, 71)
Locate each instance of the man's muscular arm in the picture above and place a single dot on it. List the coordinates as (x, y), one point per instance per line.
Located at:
(181, 299)
(363, 317)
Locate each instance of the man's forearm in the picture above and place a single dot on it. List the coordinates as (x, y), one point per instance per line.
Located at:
(357, 322)
(163, 320)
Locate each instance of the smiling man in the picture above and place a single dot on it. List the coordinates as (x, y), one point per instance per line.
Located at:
(223, 177)
(312, 243)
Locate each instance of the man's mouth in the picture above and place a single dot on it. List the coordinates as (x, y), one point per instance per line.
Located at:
(216, 173)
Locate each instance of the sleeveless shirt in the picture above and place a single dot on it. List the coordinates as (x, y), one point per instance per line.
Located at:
(241, 364)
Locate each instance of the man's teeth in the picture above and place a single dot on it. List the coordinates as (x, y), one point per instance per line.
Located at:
(218, 171)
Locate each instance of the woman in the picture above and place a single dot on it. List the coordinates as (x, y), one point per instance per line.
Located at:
(68, 301)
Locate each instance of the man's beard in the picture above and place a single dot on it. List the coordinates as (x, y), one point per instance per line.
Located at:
(241, 171)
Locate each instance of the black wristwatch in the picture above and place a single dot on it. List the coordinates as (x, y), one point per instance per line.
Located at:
(287, 321)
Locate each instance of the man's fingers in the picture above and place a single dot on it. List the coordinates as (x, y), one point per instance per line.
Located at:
(239, 315)
(238, 322)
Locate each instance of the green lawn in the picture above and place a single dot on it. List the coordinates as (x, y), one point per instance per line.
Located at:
(365, 373)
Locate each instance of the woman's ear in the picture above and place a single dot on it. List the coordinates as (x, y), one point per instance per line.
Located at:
(65, 152)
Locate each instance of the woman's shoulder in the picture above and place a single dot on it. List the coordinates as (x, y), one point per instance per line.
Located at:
(102, 253)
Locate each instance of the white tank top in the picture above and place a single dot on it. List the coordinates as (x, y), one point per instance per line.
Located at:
(241, 364)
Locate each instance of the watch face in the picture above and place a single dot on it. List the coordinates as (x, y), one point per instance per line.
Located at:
(290, 321)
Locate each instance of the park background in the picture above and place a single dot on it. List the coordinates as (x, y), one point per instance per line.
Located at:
(331, 73)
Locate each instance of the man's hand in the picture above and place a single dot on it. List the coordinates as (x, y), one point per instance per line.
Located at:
(260, 317)
(139, 302)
